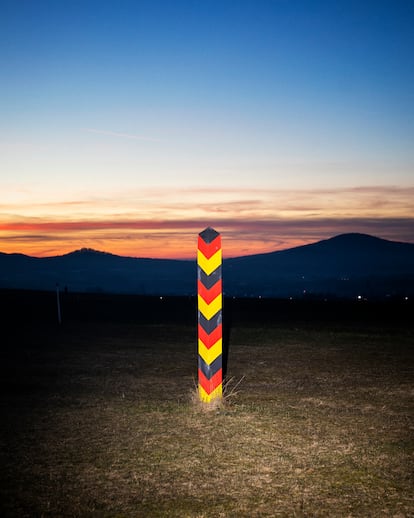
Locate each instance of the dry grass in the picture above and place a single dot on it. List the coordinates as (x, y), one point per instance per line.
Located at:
(98, 420)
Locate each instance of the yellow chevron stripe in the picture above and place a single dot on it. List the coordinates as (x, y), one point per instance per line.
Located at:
(209, 265)
(209, 355)
(207, 398)
(209, 310)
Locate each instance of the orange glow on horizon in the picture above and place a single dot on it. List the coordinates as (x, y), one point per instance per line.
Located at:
(250, 221)
(58, 239)
(178, 239)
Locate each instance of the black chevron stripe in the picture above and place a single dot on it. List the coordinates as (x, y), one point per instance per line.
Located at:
(210, 370)
(209, 280)
(208, 235)
(210, 325)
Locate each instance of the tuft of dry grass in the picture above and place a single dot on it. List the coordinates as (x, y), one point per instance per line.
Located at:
(220, 404)
(97, 421)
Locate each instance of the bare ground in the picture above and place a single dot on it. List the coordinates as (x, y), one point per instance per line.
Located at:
(99, 419)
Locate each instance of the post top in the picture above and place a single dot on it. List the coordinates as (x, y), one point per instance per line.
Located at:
(208, 235)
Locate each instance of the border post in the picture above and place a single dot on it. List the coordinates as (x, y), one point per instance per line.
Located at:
(210, 303)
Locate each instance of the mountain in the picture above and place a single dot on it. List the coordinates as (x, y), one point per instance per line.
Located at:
(88, 270)
(347, 265)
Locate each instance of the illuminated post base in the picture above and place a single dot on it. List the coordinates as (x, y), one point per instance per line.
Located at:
(208, 398)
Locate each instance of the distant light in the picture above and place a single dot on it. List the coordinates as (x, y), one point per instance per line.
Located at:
(359, 297)
(405, 298)
(160, 298)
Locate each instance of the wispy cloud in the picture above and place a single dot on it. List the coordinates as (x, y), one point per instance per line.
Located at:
(119, 134)
(165, 223)
(176, 238)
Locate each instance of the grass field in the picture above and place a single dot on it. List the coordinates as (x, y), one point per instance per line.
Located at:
(99, 417)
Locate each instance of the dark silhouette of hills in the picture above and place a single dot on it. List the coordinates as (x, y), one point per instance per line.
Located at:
(88, 270)
(347, 265)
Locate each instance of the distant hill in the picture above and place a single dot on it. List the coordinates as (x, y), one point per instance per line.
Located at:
(89, 270)
(347, 265)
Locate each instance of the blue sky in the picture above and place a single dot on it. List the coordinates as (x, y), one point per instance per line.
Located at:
(230, 113)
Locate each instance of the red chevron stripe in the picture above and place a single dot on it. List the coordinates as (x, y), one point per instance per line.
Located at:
(211, 339)
(208, 295)
(210, 384)
(209, 249)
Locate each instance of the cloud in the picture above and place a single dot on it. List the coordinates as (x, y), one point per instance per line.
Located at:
(165, 223)
(176, 238)
(186, 202)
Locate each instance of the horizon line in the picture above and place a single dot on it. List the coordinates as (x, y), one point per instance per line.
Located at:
(106, 252)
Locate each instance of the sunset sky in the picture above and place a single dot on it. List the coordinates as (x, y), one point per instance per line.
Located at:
(130, 126)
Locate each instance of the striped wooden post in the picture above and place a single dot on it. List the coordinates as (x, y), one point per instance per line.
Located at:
(209, 259)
